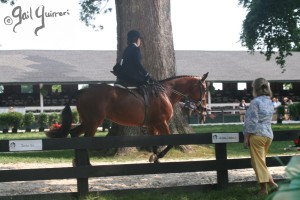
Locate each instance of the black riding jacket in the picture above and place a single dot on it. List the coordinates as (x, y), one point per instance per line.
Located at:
(132, 71)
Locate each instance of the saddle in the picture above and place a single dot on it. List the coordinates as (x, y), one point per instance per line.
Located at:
(142, 91)
(124, 85)
(145, 91)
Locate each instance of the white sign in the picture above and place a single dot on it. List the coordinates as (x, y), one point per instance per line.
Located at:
(25, 145)
(225, 137)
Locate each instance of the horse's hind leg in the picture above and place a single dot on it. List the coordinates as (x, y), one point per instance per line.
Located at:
(88, 132)
(90, 128)
(77, 131)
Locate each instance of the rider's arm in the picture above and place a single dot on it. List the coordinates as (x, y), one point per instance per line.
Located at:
(137, 62)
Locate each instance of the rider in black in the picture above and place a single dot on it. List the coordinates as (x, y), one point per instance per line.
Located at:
(130, 70)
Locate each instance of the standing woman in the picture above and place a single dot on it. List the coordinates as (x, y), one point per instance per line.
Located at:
(258, 133)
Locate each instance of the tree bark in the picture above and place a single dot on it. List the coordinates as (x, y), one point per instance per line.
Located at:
(152, 18)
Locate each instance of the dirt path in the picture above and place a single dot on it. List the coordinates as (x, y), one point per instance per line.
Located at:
(121, 182)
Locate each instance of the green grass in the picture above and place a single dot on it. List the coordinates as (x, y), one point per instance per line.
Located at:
(218, 129)
(232, 193)
(236, 192)
(277, 148)
(239, 128)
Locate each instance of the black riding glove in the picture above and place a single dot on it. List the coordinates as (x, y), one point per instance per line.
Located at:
(150, 80)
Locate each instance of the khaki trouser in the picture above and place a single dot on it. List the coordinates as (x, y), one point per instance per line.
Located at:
(258, 150)
(242, 115)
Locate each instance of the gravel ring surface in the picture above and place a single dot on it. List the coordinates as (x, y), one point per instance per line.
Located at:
(121, 182)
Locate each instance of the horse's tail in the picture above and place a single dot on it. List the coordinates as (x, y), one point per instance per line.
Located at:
(63, 131)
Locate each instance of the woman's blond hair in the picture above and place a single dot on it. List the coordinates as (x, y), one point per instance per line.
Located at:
(261, 87)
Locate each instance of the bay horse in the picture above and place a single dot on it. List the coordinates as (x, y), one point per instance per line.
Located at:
(127, 107)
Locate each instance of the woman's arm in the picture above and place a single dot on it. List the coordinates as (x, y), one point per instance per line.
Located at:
(251, 121)
(251, 118)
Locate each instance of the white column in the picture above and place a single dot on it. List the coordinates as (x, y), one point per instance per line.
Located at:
(208, 97)
(209, 100)
(41, 99)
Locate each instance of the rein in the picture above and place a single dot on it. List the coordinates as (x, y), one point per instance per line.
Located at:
(186, 97)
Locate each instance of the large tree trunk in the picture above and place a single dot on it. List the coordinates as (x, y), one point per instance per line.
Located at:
(152, 18)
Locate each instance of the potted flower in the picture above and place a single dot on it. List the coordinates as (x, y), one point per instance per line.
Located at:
(28, 121)
(42, 121)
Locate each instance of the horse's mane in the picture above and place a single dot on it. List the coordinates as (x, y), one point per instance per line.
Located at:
(177, 77)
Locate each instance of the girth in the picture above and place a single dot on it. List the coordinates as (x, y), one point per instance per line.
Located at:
(147, 106)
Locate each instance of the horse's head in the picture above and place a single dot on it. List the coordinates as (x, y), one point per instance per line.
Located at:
(198, 94)
(189, 88)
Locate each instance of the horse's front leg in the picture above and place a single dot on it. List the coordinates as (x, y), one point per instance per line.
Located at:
(154, 157)
(164, 152)
(162, 129)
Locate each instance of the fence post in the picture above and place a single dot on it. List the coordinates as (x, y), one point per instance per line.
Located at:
(82, 159)
(222, 116)
(221, 158)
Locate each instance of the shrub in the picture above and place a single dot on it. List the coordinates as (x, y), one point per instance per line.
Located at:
(28, 119)
(42, 120)
(297, 109)
(292, 111)
(4, 121)
(53, 117)
(15, 119)
(75, 116)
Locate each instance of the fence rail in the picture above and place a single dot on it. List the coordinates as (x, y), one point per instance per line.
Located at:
(82, 172)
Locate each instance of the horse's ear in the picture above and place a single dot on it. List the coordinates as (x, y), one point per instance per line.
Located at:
(204, 77)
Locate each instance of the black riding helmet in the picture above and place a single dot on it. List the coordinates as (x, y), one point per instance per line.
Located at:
(132, 36)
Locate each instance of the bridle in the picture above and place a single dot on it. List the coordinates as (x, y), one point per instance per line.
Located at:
(198, 103)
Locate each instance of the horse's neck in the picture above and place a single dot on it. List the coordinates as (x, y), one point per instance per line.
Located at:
(178, 89)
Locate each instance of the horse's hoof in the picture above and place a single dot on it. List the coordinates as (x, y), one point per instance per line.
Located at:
(153, 158)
